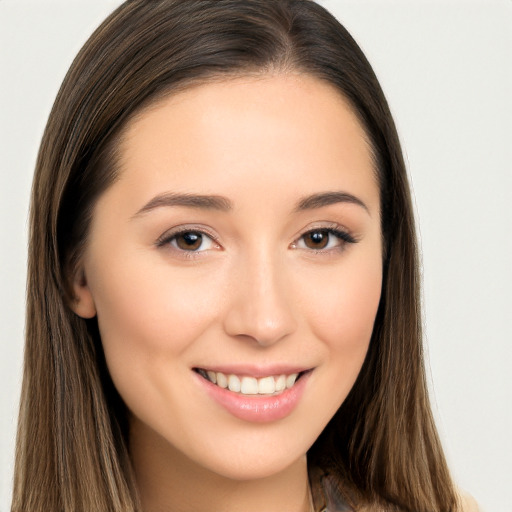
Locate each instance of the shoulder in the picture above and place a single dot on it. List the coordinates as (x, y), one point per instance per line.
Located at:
(468, 503)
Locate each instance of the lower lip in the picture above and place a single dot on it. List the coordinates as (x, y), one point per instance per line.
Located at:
(257, 408)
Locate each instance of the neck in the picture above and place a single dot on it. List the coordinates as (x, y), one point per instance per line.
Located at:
(167, 481)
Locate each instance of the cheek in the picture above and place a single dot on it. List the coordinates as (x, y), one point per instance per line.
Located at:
(343, 312)
(342, 318)
(148, 317)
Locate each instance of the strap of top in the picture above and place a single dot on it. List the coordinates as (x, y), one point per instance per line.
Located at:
(327, 495)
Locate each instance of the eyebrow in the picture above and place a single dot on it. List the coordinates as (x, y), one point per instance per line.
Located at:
(326, 199)
(220, 203)
(202, 202)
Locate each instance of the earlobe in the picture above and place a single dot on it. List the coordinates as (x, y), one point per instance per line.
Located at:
(83, 302)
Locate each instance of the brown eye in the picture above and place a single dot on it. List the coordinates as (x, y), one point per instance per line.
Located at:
(316, 239)
(189, 241)
(324, 240)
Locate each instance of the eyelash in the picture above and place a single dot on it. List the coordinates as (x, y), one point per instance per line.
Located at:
(168, 238)
(343, 237)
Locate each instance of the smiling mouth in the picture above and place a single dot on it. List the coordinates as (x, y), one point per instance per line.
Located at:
(268, 386)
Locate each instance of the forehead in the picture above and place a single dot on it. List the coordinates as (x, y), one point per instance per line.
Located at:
(292, 130)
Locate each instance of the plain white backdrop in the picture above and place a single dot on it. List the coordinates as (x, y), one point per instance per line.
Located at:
(446, 68)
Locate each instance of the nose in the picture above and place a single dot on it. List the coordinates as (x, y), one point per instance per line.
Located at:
(260, 308)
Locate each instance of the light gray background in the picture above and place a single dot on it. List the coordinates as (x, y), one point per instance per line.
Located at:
(446, 69)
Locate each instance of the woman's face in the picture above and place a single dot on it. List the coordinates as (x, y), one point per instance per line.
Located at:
(241, 244)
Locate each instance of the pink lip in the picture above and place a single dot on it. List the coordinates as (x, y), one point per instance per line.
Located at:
(256, 408)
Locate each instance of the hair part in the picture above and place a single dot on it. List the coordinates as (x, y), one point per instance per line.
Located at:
(382, 445)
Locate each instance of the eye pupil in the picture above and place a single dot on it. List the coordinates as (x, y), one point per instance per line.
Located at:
(317, 239)
(189, 241)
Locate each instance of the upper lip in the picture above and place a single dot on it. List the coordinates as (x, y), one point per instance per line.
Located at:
(252, 370)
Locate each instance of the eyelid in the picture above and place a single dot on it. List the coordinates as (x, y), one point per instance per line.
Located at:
(342, 233)
(165, 238)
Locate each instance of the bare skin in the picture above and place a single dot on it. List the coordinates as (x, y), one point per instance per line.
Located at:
(191, 487)
(273, 267)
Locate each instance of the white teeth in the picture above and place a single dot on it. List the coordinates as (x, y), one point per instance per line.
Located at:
(222, 380)
(281, 383)
(290, 380)
(266, 386)
(234, 383)
(250, 385)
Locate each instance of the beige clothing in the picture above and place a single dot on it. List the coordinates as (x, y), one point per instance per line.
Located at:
(327, 497)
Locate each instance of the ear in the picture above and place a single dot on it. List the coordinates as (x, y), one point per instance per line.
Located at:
(83, 302)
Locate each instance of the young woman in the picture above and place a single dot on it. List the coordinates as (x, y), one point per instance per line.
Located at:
(223, 282)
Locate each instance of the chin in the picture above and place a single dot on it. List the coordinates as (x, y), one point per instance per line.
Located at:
(259, 469)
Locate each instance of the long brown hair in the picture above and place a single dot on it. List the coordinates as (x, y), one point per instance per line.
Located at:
(382, 445)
